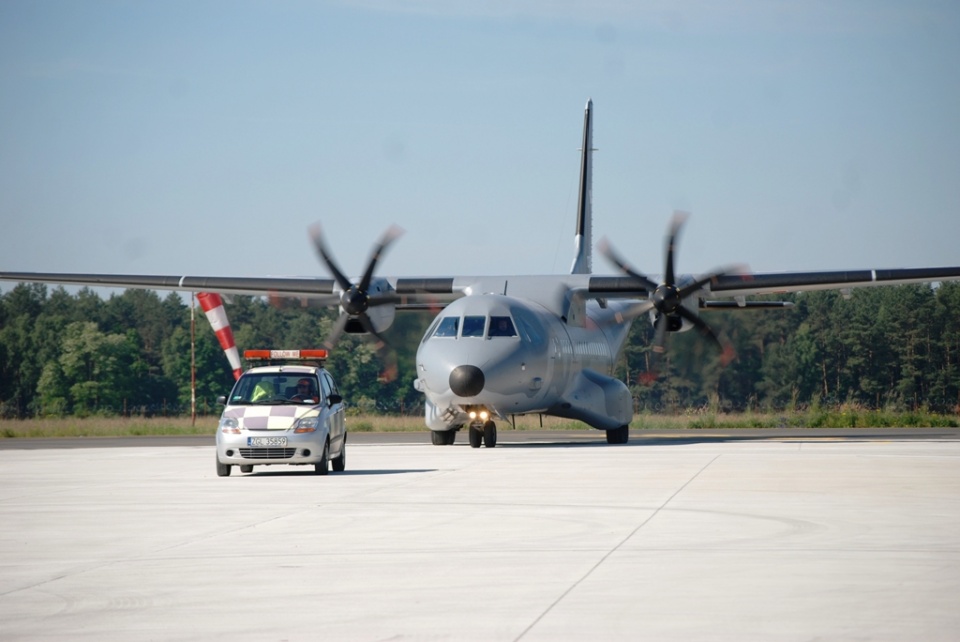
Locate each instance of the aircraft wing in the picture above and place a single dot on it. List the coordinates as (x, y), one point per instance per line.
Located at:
(776, 283)
(429, 288)
(750, 284)
(411, 293)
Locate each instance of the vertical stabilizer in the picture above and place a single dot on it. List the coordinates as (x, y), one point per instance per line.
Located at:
(583, 240)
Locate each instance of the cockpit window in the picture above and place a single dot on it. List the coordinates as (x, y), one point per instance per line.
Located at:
(501, 327)
(474, 326)
(529, 327)
(448, 327)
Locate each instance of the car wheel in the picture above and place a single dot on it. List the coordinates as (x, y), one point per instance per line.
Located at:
(247, 468)
(489, 434)
(340, 462)
(223, 470)
(322, 467)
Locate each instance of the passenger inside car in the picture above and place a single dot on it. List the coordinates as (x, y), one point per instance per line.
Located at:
(262, 391)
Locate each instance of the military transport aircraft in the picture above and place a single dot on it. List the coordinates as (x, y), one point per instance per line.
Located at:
(510, 345)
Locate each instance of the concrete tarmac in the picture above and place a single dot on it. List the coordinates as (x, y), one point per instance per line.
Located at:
(786, 537)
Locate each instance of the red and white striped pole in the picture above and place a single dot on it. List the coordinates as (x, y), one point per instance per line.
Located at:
(212, 306)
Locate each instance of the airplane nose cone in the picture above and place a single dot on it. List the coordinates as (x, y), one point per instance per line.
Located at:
(466, 381)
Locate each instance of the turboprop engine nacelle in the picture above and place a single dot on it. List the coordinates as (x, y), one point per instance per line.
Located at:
(381, 316)
(675, 322)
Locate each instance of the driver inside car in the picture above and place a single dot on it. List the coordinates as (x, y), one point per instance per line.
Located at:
(304, 391)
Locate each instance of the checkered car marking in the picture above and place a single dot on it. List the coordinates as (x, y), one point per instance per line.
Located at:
(270, 417)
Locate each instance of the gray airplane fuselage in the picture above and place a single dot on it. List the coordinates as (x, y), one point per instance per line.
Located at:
(557, 359)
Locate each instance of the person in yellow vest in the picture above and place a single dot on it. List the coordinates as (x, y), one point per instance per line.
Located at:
(262, 391)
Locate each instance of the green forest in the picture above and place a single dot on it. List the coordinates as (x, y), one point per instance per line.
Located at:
(892, 347)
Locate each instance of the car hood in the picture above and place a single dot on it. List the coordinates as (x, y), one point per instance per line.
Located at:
(270, 417)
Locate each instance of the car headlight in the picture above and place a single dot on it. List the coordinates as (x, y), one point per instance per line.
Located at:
(229, 425)
(307, 424)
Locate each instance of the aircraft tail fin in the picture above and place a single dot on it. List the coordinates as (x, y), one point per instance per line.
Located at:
(583, 239)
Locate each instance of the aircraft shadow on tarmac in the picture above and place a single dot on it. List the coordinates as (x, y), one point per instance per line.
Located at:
(793, 435)
(659, 441)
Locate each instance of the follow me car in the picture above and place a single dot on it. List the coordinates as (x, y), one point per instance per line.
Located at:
(286, 411)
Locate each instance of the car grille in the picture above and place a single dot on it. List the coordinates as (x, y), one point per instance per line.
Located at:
(267, 453)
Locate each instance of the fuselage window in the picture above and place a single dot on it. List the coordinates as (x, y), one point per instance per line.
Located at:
(432, 328)
(474, 326)
(501, 327)
(448, 327)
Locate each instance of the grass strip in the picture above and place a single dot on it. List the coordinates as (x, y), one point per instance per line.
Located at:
(844, 417)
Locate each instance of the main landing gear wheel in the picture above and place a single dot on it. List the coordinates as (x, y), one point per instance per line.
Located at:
(443, 437)
(619, 435)
(489, 434)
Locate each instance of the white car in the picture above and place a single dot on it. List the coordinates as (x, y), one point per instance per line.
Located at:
(289, 412)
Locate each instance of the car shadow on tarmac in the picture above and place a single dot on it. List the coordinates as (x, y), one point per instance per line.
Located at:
(308, 472)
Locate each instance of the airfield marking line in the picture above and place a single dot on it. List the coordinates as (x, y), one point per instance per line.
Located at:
(613, 550)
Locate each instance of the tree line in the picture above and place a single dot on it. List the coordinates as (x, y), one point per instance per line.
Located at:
(894, 347)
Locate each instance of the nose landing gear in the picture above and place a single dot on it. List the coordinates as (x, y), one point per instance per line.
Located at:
(485, 434)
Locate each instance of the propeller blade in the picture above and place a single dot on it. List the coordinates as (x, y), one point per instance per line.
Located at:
(676, 223)
(316, 233)
(606, 248)
(388, 237)
(656, 350)
(668, 299)
(336, 331)
(355, 300)
(384, 298)
(659, 335)
(368, 326)
(726, 349)
(385, 352)
(634, 311)
(690, 288)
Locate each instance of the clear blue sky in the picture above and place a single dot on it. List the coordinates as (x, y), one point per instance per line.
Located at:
(205, 137)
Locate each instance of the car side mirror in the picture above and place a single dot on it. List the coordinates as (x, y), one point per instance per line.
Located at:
(333, 400)
(221, 400)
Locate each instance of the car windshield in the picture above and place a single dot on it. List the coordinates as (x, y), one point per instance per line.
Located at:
(274, 388)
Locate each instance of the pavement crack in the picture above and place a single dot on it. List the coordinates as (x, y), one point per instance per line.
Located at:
(613, 550)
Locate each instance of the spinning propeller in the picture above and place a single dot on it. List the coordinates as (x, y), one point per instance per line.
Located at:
(355, 298)
(667, 298)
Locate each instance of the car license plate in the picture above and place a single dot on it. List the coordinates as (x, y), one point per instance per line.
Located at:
(267, 442)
